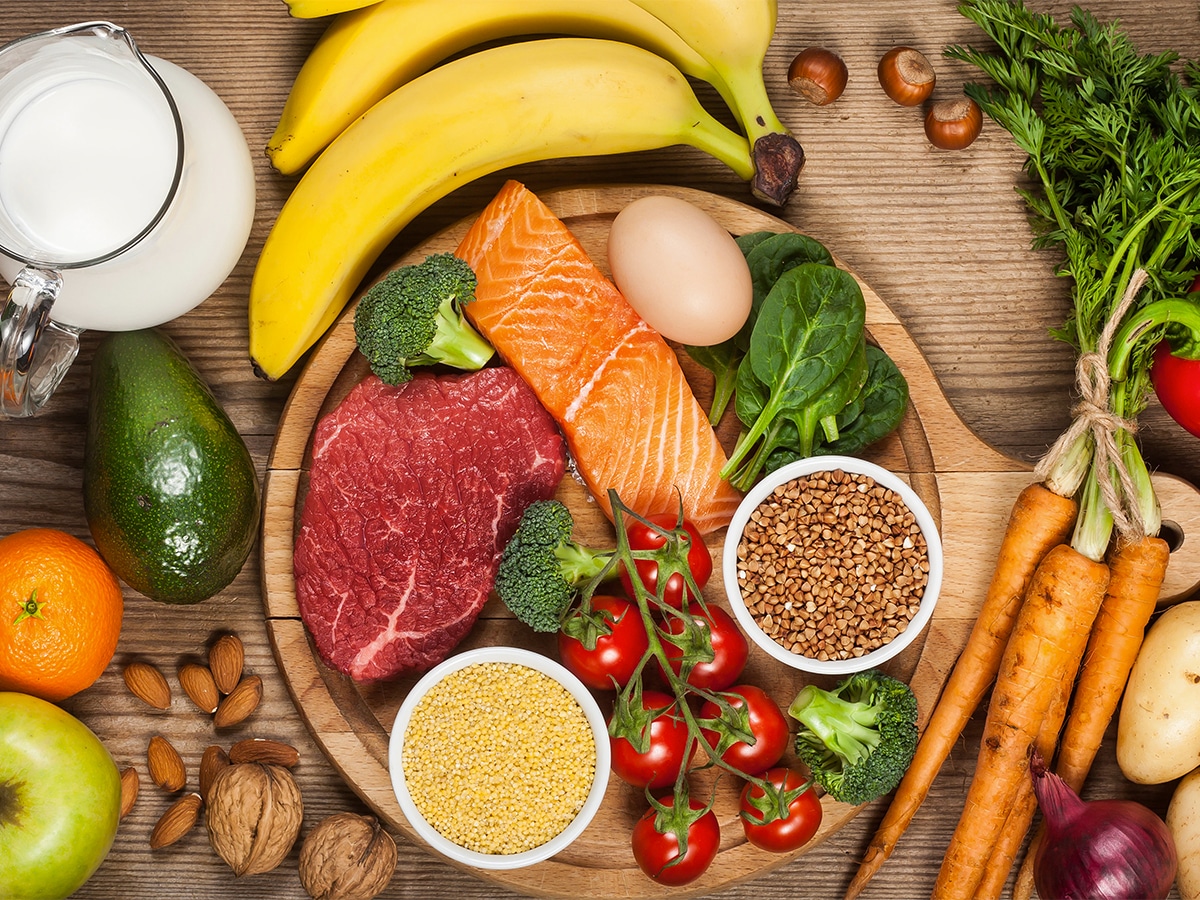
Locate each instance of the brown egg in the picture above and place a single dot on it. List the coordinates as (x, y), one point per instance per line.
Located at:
(682, 272)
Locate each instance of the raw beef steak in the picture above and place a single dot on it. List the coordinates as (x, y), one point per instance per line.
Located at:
(413, 494)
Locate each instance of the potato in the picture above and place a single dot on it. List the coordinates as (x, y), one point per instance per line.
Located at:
(1183, 818)
(1158, 731)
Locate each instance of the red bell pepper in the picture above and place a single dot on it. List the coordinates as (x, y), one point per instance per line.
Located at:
(1177, 383)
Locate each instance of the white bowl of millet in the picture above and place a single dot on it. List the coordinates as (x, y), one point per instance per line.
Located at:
(832, 564)
(499, 757)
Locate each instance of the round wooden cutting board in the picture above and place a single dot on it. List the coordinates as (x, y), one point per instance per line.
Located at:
(968, 487)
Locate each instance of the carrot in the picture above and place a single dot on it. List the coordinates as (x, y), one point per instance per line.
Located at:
(1046, 646)
(1137, 571)
(1016, 826)
(1040, 519)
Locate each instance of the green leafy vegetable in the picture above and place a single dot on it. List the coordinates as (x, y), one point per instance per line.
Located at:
(1112, 139)
(768, 255)
(800, 374)
(877, 410)
(808, 329)
(722, 360)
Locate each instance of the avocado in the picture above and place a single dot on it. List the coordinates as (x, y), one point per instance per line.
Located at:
(170, 491)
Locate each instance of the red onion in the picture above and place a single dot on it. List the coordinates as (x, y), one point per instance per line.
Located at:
(1099, 850)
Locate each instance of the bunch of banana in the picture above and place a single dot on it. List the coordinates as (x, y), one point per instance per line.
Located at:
(369, 52)
(392, 131)
(489, 110)
(365, 55)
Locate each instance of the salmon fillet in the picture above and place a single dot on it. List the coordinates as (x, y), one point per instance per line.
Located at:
(610, 380)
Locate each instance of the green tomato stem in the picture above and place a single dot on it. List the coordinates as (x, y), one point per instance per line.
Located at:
(655, 650)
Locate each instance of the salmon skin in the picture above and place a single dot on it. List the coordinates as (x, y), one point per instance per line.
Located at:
(611, 382)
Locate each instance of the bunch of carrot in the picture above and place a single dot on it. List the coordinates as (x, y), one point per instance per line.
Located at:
(1050, 612)
(1080, 566)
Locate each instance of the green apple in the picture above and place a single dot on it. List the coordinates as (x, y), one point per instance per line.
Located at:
(60, 799)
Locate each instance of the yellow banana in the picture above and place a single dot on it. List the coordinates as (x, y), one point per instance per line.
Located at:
(367, 53)
(733, 35)
(315, 9)
(512, 104)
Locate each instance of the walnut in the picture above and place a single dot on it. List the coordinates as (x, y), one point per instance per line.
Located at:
(347, 857)
(254, 815)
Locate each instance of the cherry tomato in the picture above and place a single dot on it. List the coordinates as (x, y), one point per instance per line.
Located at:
(1177, 384)
(642, 537)
(730, 650)
(767, 724)
(616, 656)
(653, 850)
(659, 766)
(789, 833)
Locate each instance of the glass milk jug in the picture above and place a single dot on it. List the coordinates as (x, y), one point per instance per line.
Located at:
(126, 198)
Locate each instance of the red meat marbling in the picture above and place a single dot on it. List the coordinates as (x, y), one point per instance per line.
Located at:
(414, 491)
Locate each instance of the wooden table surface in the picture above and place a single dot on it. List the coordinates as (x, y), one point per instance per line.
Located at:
(940, 236)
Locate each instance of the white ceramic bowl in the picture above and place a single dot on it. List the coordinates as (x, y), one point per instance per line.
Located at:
(799, 469)
(599, 734)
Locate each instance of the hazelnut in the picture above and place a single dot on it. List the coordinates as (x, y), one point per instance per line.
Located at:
(254, 816)
(954, 124)
(906, 76)
(347, 857)
(817, 74)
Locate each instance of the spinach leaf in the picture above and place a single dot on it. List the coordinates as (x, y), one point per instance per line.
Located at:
(772, 254)
(722, 360)
(808, 329)
(884, 399)
(747, 242)
(801, 436)
(822, 413)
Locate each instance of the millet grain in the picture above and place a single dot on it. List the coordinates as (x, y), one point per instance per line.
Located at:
(832, 565)
(499, 757)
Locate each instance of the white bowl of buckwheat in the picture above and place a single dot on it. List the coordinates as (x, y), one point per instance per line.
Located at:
(832, 565)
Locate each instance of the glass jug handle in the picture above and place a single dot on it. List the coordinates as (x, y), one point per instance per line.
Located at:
(35, 352)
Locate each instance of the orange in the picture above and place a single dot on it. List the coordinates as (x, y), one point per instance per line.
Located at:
(60, 614)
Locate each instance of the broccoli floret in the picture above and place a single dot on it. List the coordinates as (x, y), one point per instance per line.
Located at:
(859, 738)
(414, 317)
(541, 566)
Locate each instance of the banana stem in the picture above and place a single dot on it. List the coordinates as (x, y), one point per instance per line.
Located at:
(725, 145)
(778, 156)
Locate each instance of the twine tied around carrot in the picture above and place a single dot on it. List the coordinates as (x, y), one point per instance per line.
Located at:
(1092, 415)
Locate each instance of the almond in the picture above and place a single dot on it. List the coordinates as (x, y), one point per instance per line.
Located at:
(129, 790)
(240, 702)
(213, 760)
(200, 686)
(177, 821)
(225, 659)
(147, 684)
(165, 765)
(261, 750)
